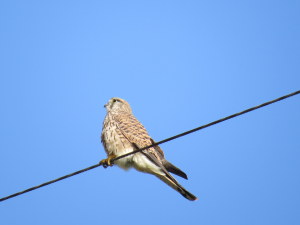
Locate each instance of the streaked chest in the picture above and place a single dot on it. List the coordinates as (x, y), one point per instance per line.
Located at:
(112, 138)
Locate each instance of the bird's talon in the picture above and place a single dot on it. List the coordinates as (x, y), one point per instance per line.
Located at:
(106, 162)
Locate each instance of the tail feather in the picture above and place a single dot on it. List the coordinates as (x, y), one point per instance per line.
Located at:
(177, 187)
(173, 169)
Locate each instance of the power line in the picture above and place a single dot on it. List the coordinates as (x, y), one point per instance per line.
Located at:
(209, 124)
(157, 143)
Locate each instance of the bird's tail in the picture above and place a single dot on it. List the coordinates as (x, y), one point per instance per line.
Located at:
(177, 187)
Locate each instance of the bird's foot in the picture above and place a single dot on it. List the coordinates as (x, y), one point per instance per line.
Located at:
(106, 162)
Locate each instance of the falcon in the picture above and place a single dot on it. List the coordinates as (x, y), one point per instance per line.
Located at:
(123, 133)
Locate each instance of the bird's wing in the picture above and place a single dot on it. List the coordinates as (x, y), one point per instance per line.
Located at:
(136, 133)
(169, 166)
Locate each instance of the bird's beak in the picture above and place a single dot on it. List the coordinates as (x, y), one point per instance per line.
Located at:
(105, 105)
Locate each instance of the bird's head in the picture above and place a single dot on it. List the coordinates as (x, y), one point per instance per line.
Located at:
(118, 105)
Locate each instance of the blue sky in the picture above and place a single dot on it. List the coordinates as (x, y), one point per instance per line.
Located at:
(179, 64)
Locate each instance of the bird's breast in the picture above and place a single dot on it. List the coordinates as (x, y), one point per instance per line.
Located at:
(115, 143)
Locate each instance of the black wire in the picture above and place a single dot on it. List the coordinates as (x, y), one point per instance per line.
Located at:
(209, 124)
(157, 143)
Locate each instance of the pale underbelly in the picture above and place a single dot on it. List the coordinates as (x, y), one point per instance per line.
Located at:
(114, 146)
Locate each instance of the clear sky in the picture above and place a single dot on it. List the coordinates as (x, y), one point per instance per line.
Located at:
(179, 64)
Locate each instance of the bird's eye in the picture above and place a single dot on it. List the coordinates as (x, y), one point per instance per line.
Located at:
(114, 100)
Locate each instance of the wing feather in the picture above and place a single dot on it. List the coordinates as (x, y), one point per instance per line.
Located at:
(136, 133)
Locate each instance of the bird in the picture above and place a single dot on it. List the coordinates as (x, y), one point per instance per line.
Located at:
(123, 133)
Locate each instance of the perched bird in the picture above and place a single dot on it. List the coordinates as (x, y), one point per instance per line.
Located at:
(123, 133)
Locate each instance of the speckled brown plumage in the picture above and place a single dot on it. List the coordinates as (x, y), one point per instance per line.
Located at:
(123, 133)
